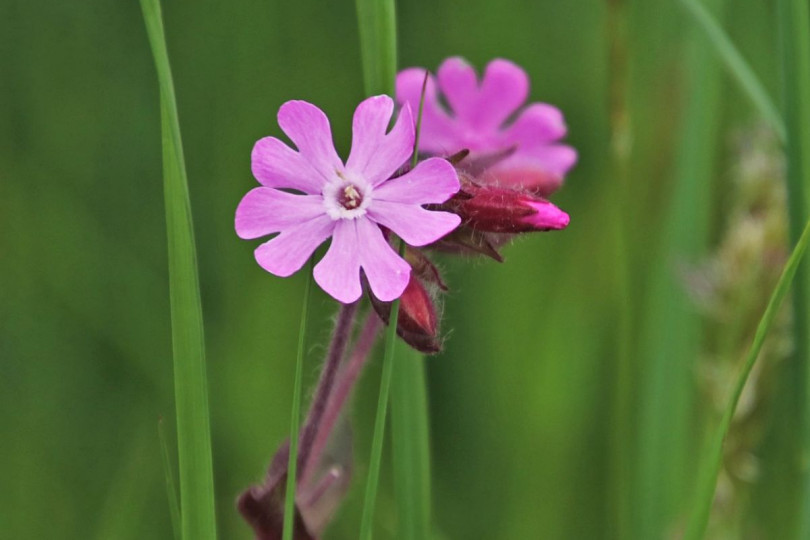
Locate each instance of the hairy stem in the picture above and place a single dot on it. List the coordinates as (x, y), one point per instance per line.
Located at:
(341, 390)
(340, 337)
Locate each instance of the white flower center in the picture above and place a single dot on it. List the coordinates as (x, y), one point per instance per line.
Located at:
(346, 197)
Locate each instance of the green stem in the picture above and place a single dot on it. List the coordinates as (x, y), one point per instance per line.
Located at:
(295, 415)
(367, 521)
(713, 461)
(188, 342)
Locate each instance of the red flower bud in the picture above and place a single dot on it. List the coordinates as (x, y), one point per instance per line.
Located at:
(424, 267)
(499, 210)
(418, 322)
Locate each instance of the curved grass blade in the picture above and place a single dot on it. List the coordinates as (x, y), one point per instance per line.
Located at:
(699, 516)
(295, 415)
(737, 66)
(188, 343)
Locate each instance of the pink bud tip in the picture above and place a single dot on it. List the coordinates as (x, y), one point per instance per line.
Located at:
(546, 216)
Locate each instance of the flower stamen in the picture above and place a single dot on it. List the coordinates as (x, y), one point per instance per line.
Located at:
(350, 198)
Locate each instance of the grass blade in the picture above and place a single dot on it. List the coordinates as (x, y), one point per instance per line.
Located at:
(783, 487)
(188, 342)
(671, 330)
(171, 489)
(410, 431)
(410, 440)
(378, 45)
(736, 65)
(367, 520)
(295, 415)
(710, 467)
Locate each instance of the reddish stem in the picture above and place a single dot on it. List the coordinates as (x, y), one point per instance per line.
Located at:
(340, 393)
(337, 347)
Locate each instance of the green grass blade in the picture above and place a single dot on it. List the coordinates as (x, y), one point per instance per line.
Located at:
(671, 330)
(786, 469)
(188, 342)
(367, 520)
(710, 467)
(378, 45)
(171, 489)
(411, 447)
(736, 65)
(295, 415)
(410, 432)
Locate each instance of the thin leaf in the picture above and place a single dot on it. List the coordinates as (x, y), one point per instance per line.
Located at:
(295, 414)
(367, 519)
(171, 489)
(410, 435)
(783, 486)
(411, 445)
(188, 343)
(736, 65)
(713, 461)
(378, 45)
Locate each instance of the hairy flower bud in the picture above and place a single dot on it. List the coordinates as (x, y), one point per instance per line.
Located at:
(499, 210)
(418, 322)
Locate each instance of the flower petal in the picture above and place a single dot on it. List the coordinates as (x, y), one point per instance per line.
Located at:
(437, 131)
(276, 165)
(266, 211)
(504, 88)
(338, 273)
(539, 124)
(546, 217)
(525, 175)
(459, 83)
(286, 253)
(375, 155)
(556, 158)
(540, 170)
(387, 272)
(308, 128)
(415, 225)
(433, 181)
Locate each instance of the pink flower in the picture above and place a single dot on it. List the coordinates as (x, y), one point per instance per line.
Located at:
(347, 202)
(479, 121)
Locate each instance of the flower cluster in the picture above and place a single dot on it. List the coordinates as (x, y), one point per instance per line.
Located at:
(487, 166)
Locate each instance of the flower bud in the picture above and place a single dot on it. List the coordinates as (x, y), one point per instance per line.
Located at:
(499, 210)
(418, 323)
(424, 267)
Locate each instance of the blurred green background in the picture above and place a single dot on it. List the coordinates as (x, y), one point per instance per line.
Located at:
(524, 417)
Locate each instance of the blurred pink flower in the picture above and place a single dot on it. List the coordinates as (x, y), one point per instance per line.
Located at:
(526, 150)
(347, 202)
